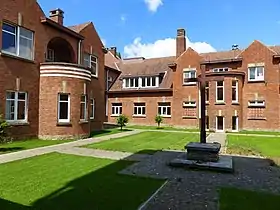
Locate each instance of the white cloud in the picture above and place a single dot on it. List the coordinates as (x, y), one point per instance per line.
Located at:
(153, 4)
(162, 48)
(123, 18)
(103, 42)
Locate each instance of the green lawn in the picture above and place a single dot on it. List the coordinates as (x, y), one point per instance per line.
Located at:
(28, 144)
(150, 127)
(261, 132)
(235, 199)
(107, 132)
(254, 145)
(147, 142)
(59, 181)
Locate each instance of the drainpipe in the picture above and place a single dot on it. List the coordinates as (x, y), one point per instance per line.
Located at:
(79, 51)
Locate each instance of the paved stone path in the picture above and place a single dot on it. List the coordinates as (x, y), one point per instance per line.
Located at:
(218, 137)
(70, 147)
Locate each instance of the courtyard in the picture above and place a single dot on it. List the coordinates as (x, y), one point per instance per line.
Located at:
(128, 170)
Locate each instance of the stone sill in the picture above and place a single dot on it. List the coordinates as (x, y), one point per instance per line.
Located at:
(4, 54)
(189, 117)
(83, 122)
(165, 116)
(256, 81)
(189, 84)
(18, 123)
(114, 115)
(139, 116)
(235, 103)
(251, 118)
(68, 124)
(220, 103)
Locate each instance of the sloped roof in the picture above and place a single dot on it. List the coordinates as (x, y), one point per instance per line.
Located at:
(78, 28)
(222, 55)
(111, 61)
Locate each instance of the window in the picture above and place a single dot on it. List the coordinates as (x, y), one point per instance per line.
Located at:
(50, 55)
(83, 108)
(131, 82)
(149, 82)
(139, 109)
(91, 62)
(188, 75)
(256, 73)
(63, 108)
(234, 123)
(220, 91)
(234, 91)
(207, 92)
(220, 69)
(256, 103)
(17, 41)
(92, 108)
(189, 104)
(145, 82)
(164, 109)
(116, 109)
(16, 106)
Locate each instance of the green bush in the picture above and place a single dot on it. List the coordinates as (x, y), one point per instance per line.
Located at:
(158, 120)
(122, 120)
(3, 130)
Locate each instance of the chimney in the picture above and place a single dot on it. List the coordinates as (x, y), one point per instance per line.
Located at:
(113, 50)
(57, 16)
(180, 42)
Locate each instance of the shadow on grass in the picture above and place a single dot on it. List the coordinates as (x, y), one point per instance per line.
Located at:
(100, 189)
(10, 149)
(107, 132)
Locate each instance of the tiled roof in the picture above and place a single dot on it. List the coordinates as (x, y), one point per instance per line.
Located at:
(78, 28)
(276, 49)
(222, 55)
(111, 61)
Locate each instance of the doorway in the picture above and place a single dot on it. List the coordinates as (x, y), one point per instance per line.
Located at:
(220, 124)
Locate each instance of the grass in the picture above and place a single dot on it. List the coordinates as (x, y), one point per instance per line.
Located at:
(28, 144)
(233, 199)
(260, 132)
(150, 127)
(254, 145)
(147, 142)
(107, 132)
(59, 181)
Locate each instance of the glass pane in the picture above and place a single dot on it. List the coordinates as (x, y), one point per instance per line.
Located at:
(168, 110)
(164, 110)
(21, 110)
(259, 71)
(207, 122)
(113, 110)
(153, 81)
(159, 110)
(136, 82)
(135, 110)
(25, 48)
(233, 83)
(9, 28)
(192, 74)
(63, 97)
(94, 59)
(127, 83)
(144, 110)
(139, 110)
(220, 94)
(252, 73)
(149, 82)
(21, 96)
(120, 110)
(131, 82)
(9, 42)
(233, 123)
(144, 82)
(10, 95)
(233, 97)
(207, 94)
(63, 111)
(82, 111)
(220, 83)
(26, 33)
(83, 99)
(10, 109)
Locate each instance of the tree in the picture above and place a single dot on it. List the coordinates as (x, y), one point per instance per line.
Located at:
(122, 120)
(3, 129)
(158, 120)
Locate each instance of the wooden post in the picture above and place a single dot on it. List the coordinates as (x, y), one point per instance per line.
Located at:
(202, 106)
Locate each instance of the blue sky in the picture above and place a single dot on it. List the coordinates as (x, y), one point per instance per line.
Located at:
(148, 27)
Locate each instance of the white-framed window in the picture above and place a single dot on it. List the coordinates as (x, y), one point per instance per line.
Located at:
(91, 61)
(50, 55)
(234, 123)
(207, 92)
(139, 109)
(142, 82)
(83, 108)
(92, 108)
(220, 91)
(256, 73)
(164, 109)
(17, 41)
(234, 91)
(220, 69)
(16, 106)
(116, 109)
(63, 108)
(256, 103)
(131, 82)
(149, 82)
(189, 74)
(189, 104)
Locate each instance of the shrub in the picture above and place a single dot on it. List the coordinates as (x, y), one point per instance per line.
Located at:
(158, 120)
(122, 120)
(3, 129)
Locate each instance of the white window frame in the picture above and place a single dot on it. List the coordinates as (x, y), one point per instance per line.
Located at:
(68, 111)
(129, 82)
(162, 107)
(187, 75)
(84, 101)
(141, 81)
(16, 100)
(256, 103)
(257, 78)
(236, 123)
(156, 79)
(89, 61)
(220, 69)
(217, 124)
(236, 91)
(92, 108)
(117, 109)
(220, 101)
(189, 104)
(18, 35)
(50, 56)
(140, 109)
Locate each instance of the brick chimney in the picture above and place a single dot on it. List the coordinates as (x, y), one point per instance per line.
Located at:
(113, 50)
(180, 42)
(57, 16)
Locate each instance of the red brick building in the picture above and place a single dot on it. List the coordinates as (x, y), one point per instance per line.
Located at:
(52, 77)
(242, 91)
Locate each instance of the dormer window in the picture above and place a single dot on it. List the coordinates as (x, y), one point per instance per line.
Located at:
(141, 82)
(221, 69)
(189, 75)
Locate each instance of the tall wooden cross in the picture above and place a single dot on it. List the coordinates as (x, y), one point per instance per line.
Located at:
(202, 81)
